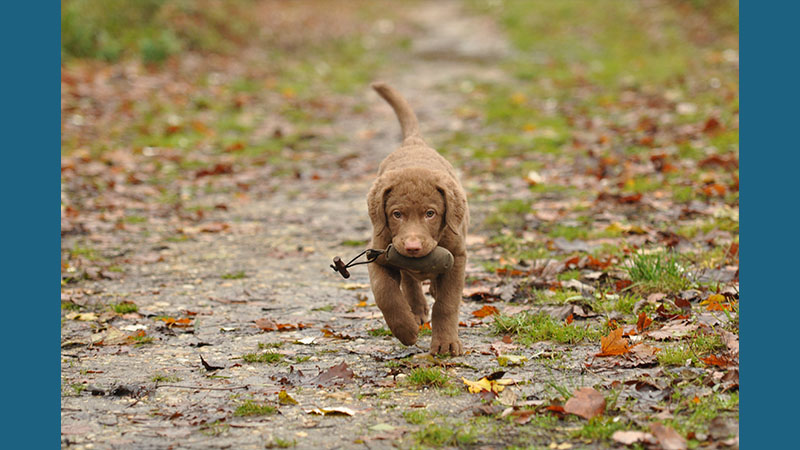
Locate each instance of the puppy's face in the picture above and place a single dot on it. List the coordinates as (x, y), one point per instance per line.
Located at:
(413, 208)
(414, 215)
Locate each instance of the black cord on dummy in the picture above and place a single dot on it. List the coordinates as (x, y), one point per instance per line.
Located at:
(339, 266)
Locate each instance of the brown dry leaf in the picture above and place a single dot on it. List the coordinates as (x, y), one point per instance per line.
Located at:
(329, 333)
(675, 329)
(267, 324)
(643, 322)
(668, 438)
(586, 402)
(722, 361)
(731, 341)
(173, 322)
(338, 374)
(644, 351)
(613, 344)
(487, 310)
(631, 437)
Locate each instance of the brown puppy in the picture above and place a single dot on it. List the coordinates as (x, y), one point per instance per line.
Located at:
(417, 203)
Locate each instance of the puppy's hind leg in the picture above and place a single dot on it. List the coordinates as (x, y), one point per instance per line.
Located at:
(390, 299)
(416, 298)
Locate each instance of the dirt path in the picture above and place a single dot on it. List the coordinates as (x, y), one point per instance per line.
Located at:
(283, 244)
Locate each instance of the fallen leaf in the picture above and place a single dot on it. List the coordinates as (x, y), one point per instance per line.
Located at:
(643, 322)
(208, 366)
(85, 317)
(586, 402)
(613, 344)
(267, 324)
(332, 411)
(675, 329)
(668, 438)
(329, 333)
(338, 374)
(382, 427)
(511, 360)
(487, 310)
(722, 361)
(631, 437)
(173, 322)
(491, 383)
(285, 399)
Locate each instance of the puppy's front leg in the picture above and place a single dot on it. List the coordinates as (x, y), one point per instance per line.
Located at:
(412, 289)
(396, 310)
(448, 290)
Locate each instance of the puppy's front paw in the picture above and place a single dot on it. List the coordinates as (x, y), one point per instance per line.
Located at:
(448, 344)
(421, 314)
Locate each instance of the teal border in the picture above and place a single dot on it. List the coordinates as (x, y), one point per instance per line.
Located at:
(30, 82)
(769, 172)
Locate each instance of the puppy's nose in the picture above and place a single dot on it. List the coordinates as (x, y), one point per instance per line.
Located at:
(413, 245)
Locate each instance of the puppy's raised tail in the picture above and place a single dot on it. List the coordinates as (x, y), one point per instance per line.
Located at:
(406, 116)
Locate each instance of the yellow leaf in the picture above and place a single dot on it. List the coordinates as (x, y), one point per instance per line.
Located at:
(713, 298)
(510, 360)
(496, 386)
(285, 399)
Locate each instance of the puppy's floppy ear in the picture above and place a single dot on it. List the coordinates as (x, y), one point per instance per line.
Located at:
(455, 203)
(376, 204)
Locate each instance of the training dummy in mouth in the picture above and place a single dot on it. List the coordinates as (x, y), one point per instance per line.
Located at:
(439, 260)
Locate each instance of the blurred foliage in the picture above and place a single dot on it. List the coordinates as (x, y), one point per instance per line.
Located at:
(151, 29)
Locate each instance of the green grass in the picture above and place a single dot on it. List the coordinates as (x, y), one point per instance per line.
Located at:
(268, 357)
(354, 243)
(428, 377)
(438, 435)
(516, 248)
(140, 341)
(695, 417)
(569, 275)
(77, 388)
(161, 378)
(69, 306)
(84, 252)
(124, 307)
(622, 303)
(151, 29)
(676, 355)
(251, 408)
(266, 345)
(215, 428)
(234, 275)
(530, 328)
(657, 272)
(559, 297)
(277, 442)
(599, 428)
(418, 416)
(510, 213)
(379, 332)
(569, 233)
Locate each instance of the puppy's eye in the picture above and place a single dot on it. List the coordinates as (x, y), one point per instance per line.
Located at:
(430, 213)
(397, 214)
